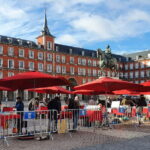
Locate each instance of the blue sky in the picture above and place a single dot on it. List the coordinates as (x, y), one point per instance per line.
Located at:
(91, 24)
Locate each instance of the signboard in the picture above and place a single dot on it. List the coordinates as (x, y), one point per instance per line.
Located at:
(115, 104)
(82, 112)
(29, 115)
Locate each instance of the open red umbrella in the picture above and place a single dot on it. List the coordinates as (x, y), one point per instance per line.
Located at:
(108, 84)
(51, 90)
(128, 92)
(5, 89)
(89, 92)
(28, 80)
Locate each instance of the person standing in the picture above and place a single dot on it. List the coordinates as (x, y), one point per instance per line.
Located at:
(75, 106)
(20, 108)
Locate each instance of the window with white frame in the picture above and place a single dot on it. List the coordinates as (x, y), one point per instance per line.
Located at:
(142, 64)
(58, 69)
(1, 75)
(136, 82)
(148, 64)
(21, 64)
(40, 67)
(1, 62)
(94, 72)
(79, 61)
(21, 52)
(49, 68)
(89, 72)
(84, 71)
(31, 54)
(1, 49)
(136, 74)
(10, 64)
(126, 66)
(148, 73)
(49, 45)
(63, 69)
(83, 81)
(94, 63)
(79, 71)
(31, 65)
(83, 53)
(10, 51)
(142, 81)
(108, 74)
(72, 70)
(136, 65)
(70, 51)
(89, 62)
(121, 66)
(131, 66)
(126, 75)
(10, 74)
(142, 74)
(121, 74)
(49, 57)
(131, 75)
(57, 48)
(40, 55)
(84, 62)
(71, 60)
(63, 59)
(57, 58)
(99, 72)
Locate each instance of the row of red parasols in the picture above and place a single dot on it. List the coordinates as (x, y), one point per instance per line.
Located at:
(44, 83)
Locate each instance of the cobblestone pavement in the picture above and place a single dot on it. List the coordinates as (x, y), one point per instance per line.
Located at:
(88, 139)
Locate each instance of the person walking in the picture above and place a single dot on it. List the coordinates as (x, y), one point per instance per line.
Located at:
(74, 105)
(20, 108)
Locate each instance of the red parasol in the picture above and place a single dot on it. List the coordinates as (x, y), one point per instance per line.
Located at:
(89, 92)
(128, 92)
(28, 80)
(51, 90)
(108, 84)
(5, 89)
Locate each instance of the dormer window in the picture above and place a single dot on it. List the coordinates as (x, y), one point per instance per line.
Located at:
(20, 42)
(70, 51)
(49, 45)
(92, 54)
(0, 38)
(29, 43)
(9, 40)
(57, 48)
(83, 53)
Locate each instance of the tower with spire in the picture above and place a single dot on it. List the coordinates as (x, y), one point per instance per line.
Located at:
(46, 39)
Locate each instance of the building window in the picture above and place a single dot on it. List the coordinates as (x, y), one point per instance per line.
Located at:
(10, 64)
(40, 55)
(89, 80)
(136, 74)
(79, 71)
(49, 67)
(94, 73)
(10, 51)
(142, 74)
(49, 57)
(89, 72)
(1, 49)
(136, 65)
(142, 64)
(108, 74)
(63, 69)
(94, 63)
(126, 75)
(148, 73)
(136, 82)
(84, 62)
(79, 61)
(10, 74)
(72, 70)
(83, 81)
(57, 58)
(58, 69)
(21, 64)
(121, 74)
(89, 62)
(1, 62)
(1, 75)
(40, 67)
(126, 67)
(131, 75)
(21, 52)
(99, 73)
(31, 66)
(31, 54)
(49, 45)
(70, 51)
(71, 60)
(83, 53)
(63, 59)
(131, 66)
(57, 48)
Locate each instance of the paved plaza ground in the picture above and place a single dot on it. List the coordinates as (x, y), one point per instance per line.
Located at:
(120, 137)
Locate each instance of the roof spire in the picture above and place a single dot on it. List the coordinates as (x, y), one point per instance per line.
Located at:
(45, 30)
